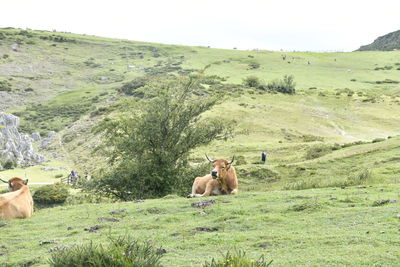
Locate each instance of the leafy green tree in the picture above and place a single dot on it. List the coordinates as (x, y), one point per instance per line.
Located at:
(148, 147)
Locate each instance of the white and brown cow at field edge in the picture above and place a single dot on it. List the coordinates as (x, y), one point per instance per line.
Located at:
(221, 180)
(18, 202)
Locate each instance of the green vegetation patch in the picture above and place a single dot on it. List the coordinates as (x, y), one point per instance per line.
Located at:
(5, 86)
(121, 251)
(51, 194)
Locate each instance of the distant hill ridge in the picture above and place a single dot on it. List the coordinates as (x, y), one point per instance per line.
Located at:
(388, 42)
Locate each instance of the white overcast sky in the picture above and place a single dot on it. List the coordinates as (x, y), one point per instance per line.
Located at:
(306, 25)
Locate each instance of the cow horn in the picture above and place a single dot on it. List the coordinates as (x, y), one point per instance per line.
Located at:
(233, 158)
(3, 181)
(210, 160)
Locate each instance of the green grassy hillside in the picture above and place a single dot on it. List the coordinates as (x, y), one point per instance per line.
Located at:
(59, 80)
(319, 227)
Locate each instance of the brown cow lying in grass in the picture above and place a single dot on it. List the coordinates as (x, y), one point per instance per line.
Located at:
(221, 180)
(18, 202)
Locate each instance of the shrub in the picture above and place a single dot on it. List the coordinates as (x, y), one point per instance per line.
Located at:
(238, 259)
(285, 86)
(376, 140)
(387, 81)
(121, 252)
(129, 88)
(252, 81)
(381, 202)
(51, 194)
(9, 164)
(5, 86)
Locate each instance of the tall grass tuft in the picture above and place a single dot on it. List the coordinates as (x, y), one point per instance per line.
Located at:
(354, 179)
(121, 252)
(238, 259)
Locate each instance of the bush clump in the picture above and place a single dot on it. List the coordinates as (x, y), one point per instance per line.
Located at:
(9, 164)
(376, 140)
(51, 194)
(121, 252)
(5, 86)
(238, 259)
(387, 81)
(129, 88)
(252, 81)
(284, 86)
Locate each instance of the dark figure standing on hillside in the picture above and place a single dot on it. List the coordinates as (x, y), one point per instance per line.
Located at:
(263, 157)
(72, 177)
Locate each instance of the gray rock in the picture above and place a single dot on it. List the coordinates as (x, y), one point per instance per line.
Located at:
(15, 47)
(36, 137)
(48, 140)
(203, 203)
(16, 146)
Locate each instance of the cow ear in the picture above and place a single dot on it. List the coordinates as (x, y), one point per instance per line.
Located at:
(228, 166)
(25, 181)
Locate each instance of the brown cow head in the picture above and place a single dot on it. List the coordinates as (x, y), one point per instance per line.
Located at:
(15, 183)
(220, 167)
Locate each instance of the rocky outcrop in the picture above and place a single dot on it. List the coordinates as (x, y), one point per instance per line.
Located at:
(388, 42)
(15, 146)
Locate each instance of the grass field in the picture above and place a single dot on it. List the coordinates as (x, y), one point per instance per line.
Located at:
(316, 227)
